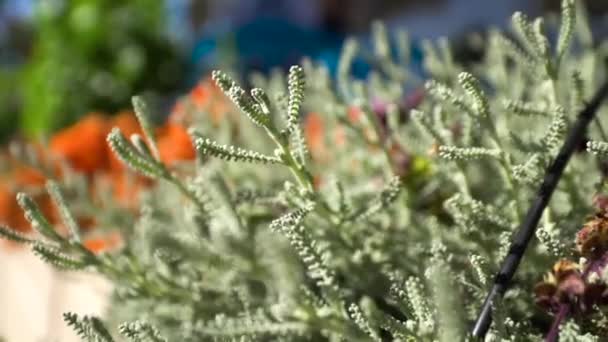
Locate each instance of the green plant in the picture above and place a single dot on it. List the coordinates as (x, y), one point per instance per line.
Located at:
(392, 230)
(8, 110)
(103, 50)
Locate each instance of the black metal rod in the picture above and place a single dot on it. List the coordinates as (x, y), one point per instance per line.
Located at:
(530, 222)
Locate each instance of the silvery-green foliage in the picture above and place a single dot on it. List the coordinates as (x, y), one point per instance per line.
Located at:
(571, 332)
(228, 153)
(141, 111)
(90, 329)
(141, 332)
(13, 235)
(392, 232)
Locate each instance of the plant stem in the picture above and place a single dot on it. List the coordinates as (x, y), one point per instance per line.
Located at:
(299, 172)
(506, 166)
(561, 315)
(380, 140)
(302, 176)
(461, 180)
(186, 192)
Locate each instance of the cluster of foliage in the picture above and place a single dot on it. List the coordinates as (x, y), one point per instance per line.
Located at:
(380, 215)
(102, 50)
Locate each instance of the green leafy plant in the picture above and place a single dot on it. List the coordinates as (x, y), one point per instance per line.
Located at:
(391, 228)
(103, 50)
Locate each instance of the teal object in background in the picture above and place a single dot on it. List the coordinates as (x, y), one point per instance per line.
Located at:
(266, 42)
(283, 44)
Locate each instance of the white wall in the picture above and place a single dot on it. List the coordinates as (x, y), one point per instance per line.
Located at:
(33, 297)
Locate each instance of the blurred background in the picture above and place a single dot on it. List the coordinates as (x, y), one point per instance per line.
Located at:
(62, 59)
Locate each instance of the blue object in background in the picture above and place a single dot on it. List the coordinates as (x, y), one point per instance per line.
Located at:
(266, 42)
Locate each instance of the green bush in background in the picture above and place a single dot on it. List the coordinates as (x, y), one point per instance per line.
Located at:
(8, 104)
(101, 50)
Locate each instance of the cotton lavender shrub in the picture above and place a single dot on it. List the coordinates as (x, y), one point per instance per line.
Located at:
(356, 210)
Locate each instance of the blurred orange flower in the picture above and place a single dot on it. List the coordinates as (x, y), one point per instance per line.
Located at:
(11, 214)
(23, 176)
(9, 210)
(83, 145)
(19, 178)
(314, 133)
(354, 114)
(104, 243)
(204, 97)
(174, 144)
(200, 94)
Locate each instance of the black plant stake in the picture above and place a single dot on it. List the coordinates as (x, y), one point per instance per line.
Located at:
(528, 225)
